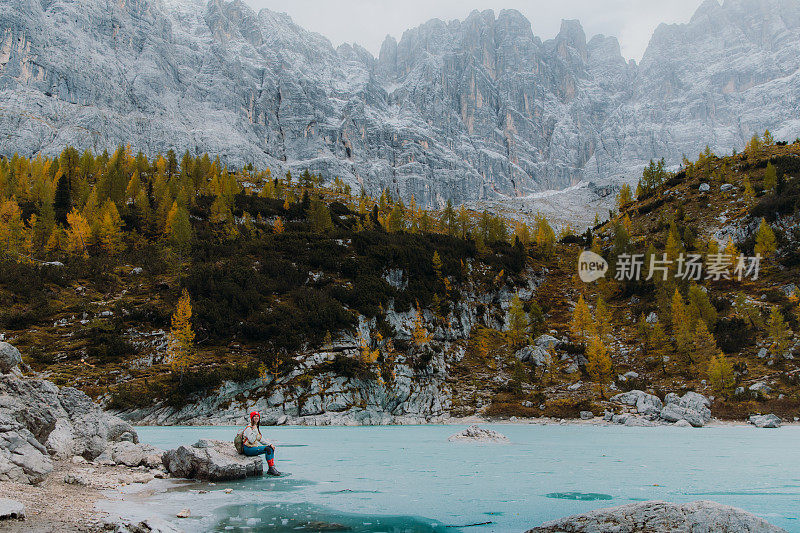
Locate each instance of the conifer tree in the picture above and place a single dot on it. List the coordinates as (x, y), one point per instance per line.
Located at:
(395, 221)
(109, 225)
(420, 334)
(62, 203)
(319, 217)
(682, 327)
(179, 229)
(779, 334)
(449, 220)
(436, 262)
(720, 375)
(517, 323)
(180, 345)
(278, 227)
(770, 177)
(699, 300)
(581, 325)
(598, 363)
(765, 240)
(603, 319)
(79, 232)
(658, 345)
(749, 193)
(624, 197)
(705, 346)
(463, 222)
(12, 228)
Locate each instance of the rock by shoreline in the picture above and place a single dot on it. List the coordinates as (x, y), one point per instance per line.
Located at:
(40, 421)
(662, 517)
(212, 460)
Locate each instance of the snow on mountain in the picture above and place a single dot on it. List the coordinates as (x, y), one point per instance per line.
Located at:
(476, 110)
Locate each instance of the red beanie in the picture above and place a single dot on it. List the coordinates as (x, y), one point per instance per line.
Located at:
(254, 413)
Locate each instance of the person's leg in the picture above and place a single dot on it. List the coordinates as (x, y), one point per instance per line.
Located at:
(252, 451)
(270, 456)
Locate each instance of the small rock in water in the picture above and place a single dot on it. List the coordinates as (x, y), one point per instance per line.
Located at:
(478, 434)
(682, 424)
(228, 491)
(184, 513)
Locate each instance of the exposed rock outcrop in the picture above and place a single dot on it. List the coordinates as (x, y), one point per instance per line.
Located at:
(662, 517)
(692, 407)
(213, 460)
(471, 109)
(477, 434)
(37, 420)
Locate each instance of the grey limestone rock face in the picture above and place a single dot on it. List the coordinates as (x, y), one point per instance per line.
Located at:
(662, 517)
(37, 420)
(470, 110)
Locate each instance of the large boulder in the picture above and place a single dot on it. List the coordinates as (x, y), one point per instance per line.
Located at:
(9, 357)
(646, 404)
(22, 458)
(478, 434)
(536, 355)
(692, 407)
(133, 454)
(658, 517)
(213, 460)
(765, 421)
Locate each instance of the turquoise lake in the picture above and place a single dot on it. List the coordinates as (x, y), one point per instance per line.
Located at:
(410, 478)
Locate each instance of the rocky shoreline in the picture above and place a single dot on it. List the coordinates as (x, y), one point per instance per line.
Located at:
(62, 456)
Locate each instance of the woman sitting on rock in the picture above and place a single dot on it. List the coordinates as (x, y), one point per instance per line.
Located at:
(254, 444)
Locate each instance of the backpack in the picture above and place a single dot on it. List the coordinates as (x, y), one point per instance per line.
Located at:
(238, 442)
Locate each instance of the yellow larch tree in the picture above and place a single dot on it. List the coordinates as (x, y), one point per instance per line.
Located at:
(581, 325)
(180, 346)
(598, 363)
(79, 233)
(420, 333)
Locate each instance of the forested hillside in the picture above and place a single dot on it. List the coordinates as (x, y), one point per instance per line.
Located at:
(153, 283)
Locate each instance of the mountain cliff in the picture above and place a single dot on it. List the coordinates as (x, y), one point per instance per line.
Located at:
(479, 109)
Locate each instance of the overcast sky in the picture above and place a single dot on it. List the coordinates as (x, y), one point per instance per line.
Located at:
(367, 22)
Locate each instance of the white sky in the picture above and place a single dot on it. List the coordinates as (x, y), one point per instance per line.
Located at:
(367, 22)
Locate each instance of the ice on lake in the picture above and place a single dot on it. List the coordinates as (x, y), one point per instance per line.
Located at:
(410, 478)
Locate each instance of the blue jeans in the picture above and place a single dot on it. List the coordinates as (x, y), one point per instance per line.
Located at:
(252, 451)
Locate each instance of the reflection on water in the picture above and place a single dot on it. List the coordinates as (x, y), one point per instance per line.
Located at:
(583, 496)
(288, 518)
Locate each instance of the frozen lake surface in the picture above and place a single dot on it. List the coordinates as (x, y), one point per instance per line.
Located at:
(410, 478)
